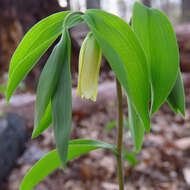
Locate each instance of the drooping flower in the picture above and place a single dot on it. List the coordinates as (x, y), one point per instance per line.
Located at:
(89, 67)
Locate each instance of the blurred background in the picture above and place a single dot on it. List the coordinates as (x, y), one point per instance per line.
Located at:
(163, 163)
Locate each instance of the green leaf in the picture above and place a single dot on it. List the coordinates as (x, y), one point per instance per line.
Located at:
(110, 125)
(113, 124)
(176, 99)
(136, 127)
(62, 103)
(48, 83)
(51, 161)
(44, 123)
(32, 47)
(158, 39)
(125, 56)
(131, 158)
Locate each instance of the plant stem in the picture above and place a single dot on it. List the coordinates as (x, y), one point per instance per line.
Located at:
(70, 15)
(120, 137)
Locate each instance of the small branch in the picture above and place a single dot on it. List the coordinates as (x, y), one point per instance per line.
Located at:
(120, 136)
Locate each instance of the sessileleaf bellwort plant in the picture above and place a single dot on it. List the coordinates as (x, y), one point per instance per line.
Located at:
(144, 57)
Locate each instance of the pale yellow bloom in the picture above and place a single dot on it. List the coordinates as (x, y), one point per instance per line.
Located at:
(89, 67)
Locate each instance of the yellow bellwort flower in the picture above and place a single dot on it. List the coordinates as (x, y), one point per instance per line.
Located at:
(89, 66)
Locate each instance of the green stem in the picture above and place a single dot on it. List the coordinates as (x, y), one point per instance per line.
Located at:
(70, 15)
(120, 136)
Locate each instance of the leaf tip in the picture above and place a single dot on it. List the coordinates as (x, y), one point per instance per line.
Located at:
(7, 98)
(9, 92)
(34, 135)
(35, 132)
(154, 108)
(64, 167)
(146, 124)
(182, 108)
(182, 111)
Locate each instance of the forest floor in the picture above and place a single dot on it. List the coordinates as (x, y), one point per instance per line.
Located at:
(163, 163)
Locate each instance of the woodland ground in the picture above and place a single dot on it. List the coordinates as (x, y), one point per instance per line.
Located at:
(164, 162)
